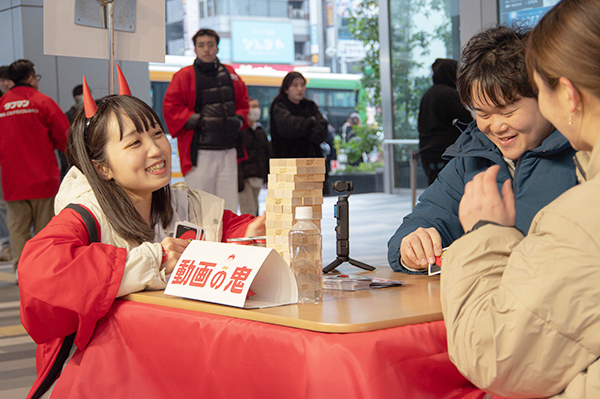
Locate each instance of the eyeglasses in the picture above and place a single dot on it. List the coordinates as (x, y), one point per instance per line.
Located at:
(38, 77)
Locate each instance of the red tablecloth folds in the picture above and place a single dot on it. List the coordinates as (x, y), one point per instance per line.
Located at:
(148, 351)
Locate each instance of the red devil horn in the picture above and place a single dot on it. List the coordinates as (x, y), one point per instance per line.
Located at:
(88, 101)
(123, 86)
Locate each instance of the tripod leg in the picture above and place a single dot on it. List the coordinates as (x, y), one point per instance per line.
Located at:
(362, 265)
(332, 265)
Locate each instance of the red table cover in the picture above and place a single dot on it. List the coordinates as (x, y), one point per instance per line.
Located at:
(147, 351)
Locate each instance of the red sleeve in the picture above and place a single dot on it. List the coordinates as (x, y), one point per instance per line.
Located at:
(235, 226)
(179, 101)
(67, 284)
(241, 96)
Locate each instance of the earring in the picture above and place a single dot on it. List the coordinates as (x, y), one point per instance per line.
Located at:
(570, 119)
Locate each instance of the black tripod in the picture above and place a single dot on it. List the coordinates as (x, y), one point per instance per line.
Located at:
(342, 229)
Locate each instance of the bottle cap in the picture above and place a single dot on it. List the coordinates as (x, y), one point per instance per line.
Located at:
(304, 213)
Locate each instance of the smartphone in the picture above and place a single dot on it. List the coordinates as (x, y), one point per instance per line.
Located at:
(188, 231)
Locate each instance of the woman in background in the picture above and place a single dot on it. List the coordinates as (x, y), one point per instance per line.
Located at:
(522, 312)
(297, 126)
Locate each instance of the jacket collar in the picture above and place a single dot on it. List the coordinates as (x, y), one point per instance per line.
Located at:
(588, 163)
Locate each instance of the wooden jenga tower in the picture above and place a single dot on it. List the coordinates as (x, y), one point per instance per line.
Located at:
(292, 183)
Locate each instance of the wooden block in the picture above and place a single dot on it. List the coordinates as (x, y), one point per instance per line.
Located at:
(295, 193)
(282, 240)
(283, 201)
(280, 216)
(295, 185)
(312, 201)
(296, 178)
(279, 224)
(297, 170)
(275, 162)
(297, 162)
(277, 232)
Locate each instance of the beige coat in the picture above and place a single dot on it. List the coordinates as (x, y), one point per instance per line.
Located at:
(142, 267)
(523, 313)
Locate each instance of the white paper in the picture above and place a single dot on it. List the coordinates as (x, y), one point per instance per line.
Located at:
(223, 273)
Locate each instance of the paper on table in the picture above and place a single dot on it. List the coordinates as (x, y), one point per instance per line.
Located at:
(223, 273)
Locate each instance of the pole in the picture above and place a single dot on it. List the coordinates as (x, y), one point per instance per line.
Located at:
(109, 15)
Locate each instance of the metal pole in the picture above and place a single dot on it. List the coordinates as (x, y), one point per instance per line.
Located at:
(413, 176)
(109, 14)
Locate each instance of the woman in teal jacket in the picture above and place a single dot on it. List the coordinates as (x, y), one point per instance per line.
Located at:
(509, 131)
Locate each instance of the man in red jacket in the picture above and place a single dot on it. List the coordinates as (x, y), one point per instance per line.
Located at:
(32, 126)
(205, 107)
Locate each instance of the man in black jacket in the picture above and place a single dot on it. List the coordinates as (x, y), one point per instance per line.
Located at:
(439, 113)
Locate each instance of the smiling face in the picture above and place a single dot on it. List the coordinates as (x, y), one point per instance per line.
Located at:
(514, 128)
(140, 162)
(295, 92)
(206, 48)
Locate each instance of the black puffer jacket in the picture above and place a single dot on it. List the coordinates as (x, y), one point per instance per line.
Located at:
(219, 125)
(297, 130)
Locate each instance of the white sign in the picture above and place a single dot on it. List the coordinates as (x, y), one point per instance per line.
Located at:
(351, 48)
(63, 37)
(234, 275)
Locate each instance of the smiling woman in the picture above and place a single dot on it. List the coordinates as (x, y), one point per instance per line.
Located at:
(120, 175)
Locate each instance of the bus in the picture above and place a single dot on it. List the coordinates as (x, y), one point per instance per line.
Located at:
(335, 94)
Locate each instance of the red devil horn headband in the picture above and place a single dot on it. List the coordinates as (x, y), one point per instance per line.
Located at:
(88, 101)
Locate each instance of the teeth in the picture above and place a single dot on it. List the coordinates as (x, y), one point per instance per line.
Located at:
(156, 167)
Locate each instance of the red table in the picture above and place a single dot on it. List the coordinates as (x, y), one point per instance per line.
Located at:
(354, 345)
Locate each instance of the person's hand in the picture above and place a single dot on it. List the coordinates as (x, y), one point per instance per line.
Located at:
(257, 226)
(482, 201)
(173, 248)
(419, 249)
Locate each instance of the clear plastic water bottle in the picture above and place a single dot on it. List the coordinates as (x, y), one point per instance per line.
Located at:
(305, 256)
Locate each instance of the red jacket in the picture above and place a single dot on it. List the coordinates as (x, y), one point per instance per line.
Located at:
(68, 285)
(180, 102)
(32, 126)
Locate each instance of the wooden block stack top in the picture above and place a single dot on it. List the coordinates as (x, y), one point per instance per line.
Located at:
(292, 183)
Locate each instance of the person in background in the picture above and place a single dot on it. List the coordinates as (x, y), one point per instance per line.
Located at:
(121, 171)
(440, 115)
(346, 130)
(5, 85)
(253, 171)
(205, 108)
(5, 82)
(32, 127)
(521, 312)
(509, 131)
(297, 126)
(78, 98)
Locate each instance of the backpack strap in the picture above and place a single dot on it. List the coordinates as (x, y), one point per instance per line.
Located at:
(67, 343)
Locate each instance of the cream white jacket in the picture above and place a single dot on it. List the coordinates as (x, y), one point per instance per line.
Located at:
(523, 313)
(142, 268)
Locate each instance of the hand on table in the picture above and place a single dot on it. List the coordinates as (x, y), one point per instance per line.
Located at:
(173, 247)
(257, 226)
(419, 248)
(482, 201)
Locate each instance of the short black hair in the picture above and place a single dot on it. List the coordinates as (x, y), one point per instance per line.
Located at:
(77, 90)
(4, 72)
(20, 70)
(205, 32)
(493, 66)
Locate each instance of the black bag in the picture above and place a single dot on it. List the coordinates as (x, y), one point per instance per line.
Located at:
(65, 348)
